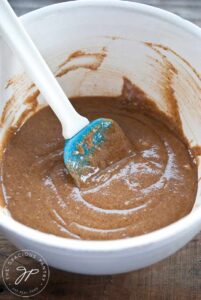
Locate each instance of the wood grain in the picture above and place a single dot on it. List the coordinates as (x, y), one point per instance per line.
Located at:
(176, 278)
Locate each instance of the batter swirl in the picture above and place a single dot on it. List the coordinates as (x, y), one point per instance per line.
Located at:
(146, 191)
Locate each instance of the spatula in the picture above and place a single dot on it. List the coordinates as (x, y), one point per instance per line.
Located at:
(89, 147)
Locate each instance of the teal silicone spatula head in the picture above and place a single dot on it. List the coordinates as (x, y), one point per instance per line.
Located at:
(98, 145)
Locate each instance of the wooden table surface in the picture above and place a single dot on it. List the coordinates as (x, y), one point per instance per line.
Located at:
(176, 278)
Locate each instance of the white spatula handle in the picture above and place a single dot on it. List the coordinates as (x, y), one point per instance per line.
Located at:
(19, 41)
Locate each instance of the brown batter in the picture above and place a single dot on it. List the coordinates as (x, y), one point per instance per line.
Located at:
(144, 192)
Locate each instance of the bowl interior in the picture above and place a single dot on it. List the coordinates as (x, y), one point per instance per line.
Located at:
(156, 51)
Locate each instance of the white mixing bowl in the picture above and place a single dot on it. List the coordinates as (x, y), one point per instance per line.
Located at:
(142, 43)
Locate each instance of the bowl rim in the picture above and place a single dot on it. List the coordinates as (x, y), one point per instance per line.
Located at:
(102, 246)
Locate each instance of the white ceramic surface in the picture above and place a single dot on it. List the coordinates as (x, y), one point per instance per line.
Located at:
(120, 30)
